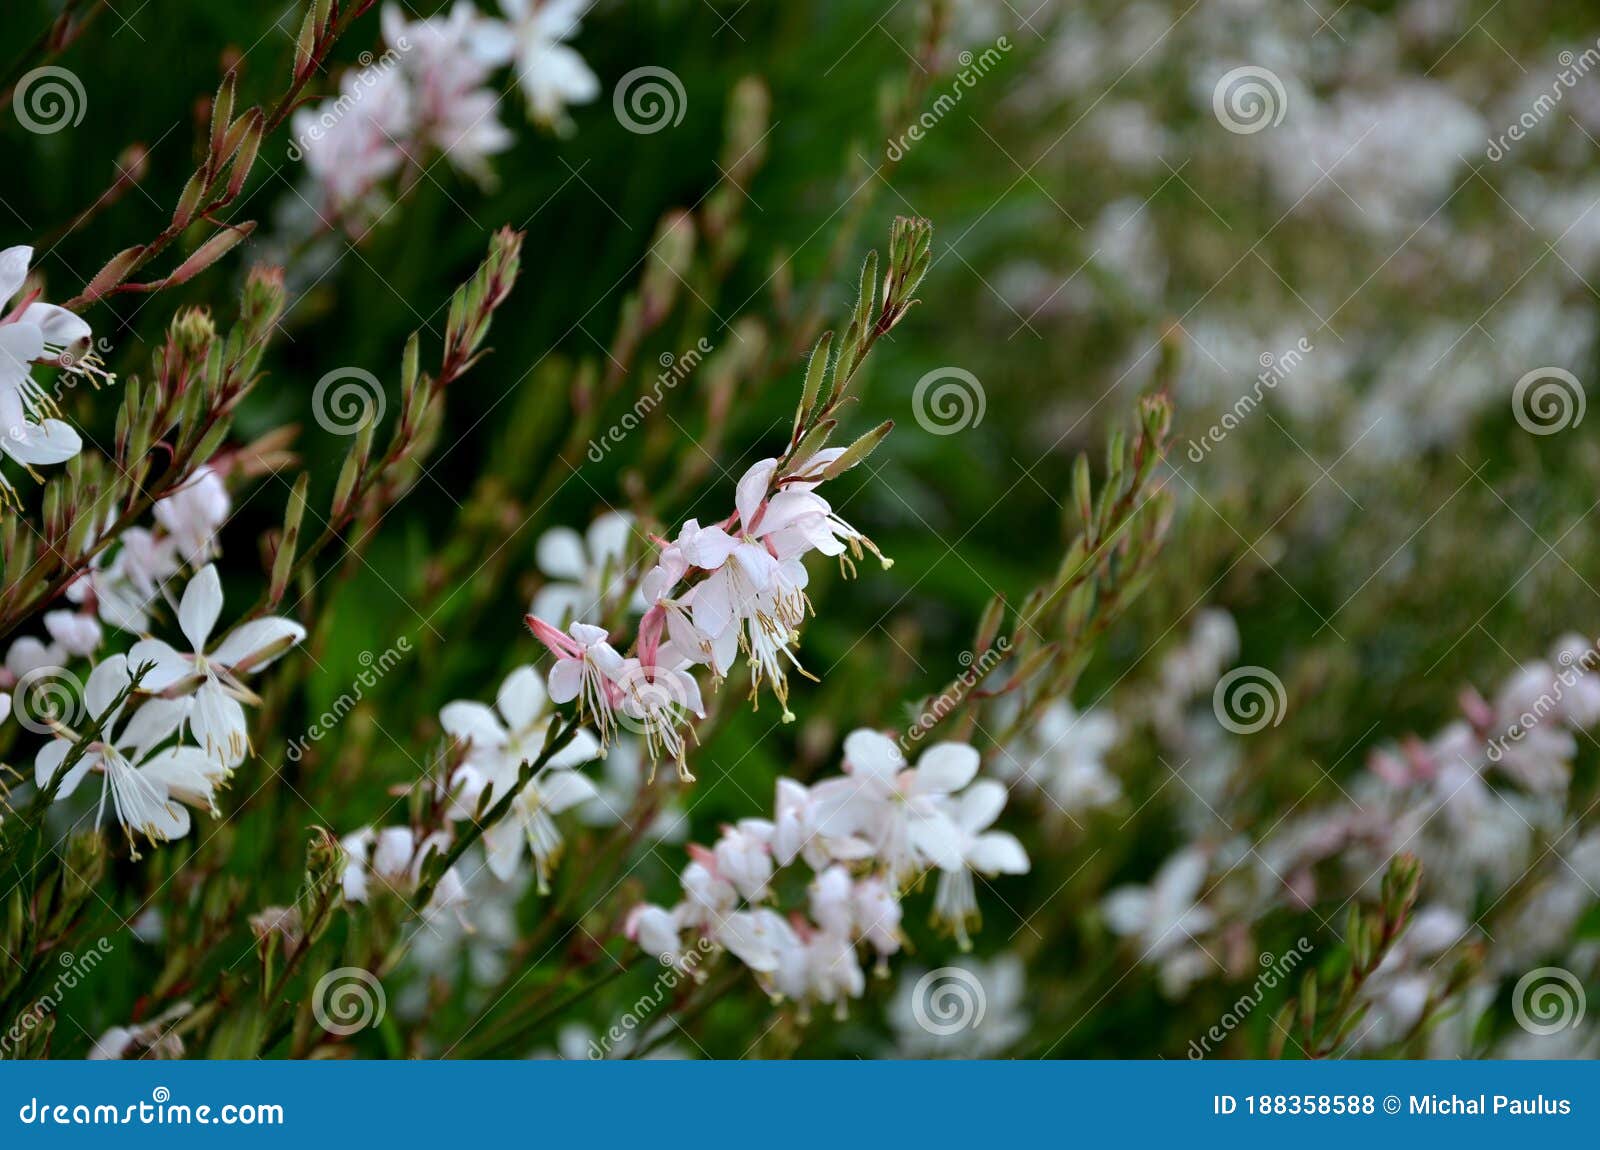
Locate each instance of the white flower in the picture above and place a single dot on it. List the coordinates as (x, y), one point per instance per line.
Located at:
(498, 744)
(981, 851)
(552, 75)
(216, 717)
(656, 931)
(34, 332)
(530, 820)
(900, 810)
(585, 571)
(146, 801)
(1163, 916)
(194, 514)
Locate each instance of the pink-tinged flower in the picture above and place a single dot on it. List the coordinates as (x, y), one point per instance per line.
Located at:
(452, 108)
(353, 143)
(586, 669)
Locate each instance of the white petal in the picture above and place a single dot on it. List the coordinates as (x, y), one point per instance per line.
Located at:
(566, 677)
(41, 444)
(167, 664)
(1127, 909)
(48, 761)
(251, 646)
(979, 805)
(752, 490)
(14, 263)
(939, 841)
(560, 790)
(945, 767)
(201, 604)
(873, 753)
(106, 682)
(218, 723)
(998, 853)
(521, 698)
(58, 325)
(560, 553)
(472, 722)
(608, 537)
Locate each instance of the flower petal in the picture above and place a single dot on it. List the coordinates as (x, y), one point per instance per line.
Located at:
(200, 606)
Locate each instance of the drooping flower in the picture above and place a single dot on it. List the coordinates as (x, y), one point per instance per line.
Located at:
(531, 821)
